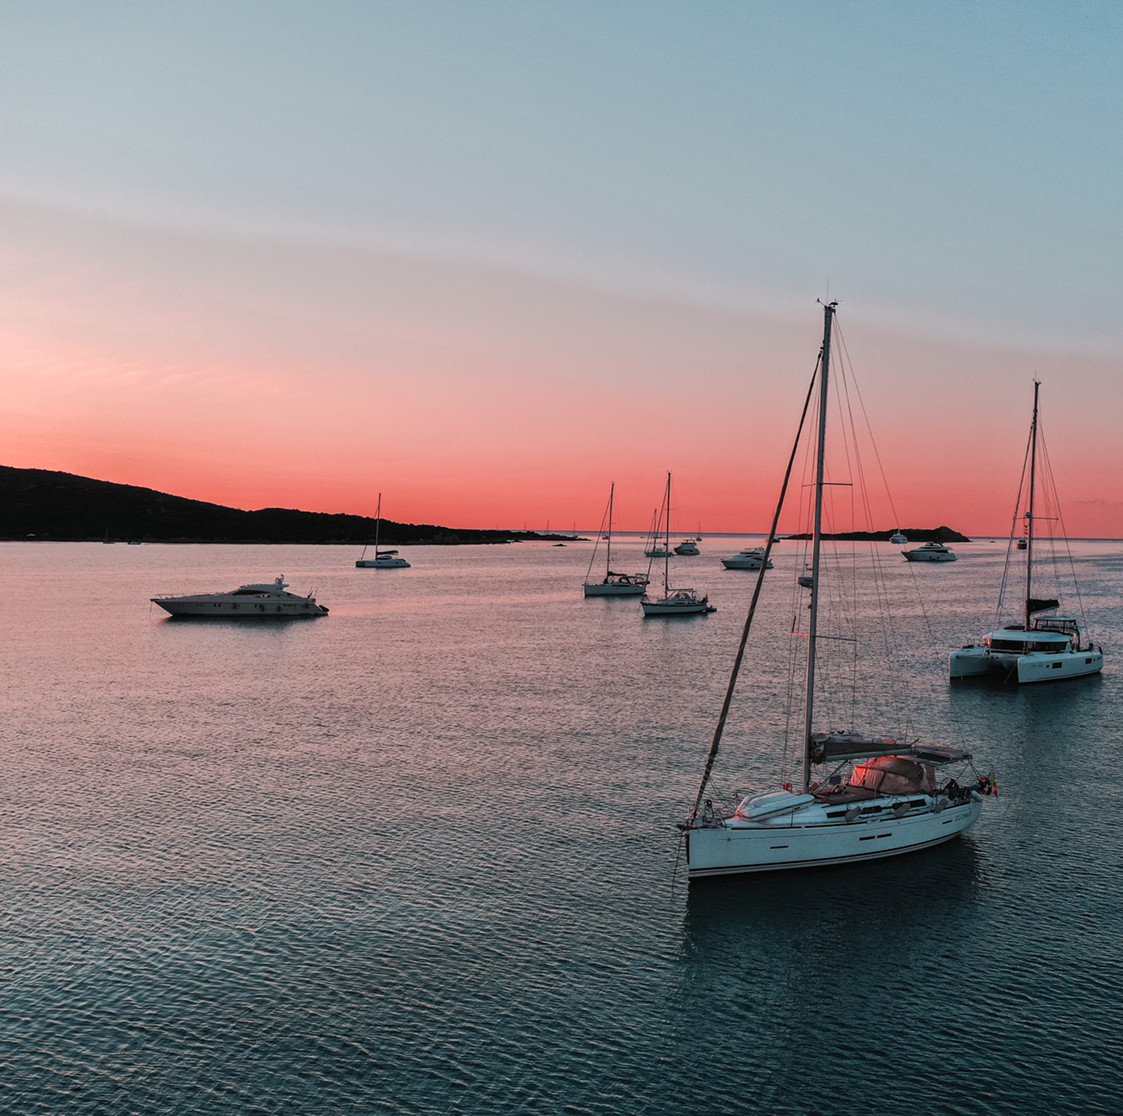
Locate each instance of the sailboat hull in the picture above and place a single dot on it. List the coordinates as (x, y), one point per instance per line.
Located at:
(732, 847)
(616, 589)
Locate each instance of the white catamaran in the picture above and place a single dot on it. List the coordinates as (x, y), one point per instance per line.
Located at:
(383, 559)
(1044, 647)
(876, 798)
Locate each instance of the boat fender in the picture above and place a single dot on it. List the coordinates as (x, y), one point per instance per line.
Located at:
(940, 805)
(901, 809)
(853, 813)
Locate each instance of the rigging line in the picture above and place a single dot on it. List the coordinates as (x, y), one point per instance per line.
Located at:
(720, 727)
(1054, 503)
(1014, 533)
(890, 636)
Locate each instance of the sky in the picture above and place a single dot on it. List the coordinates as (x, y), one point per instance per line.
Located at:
(487, 257)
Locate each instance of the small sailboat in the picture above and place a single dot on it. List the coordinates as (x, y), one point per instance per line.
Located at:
(614, 584)
(1044, 647)
(655, 546)
(674, 602)
(878, 797)
(383, 559)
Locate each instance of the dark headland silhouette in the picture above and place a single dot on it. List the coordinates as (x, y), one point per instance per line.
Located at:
(61, 507)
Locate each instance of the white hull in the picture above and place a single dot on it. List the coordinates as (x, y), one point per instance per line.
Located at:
(1034, 666)
(615, 589)
(382, 564)
(805, 837)
(247, 602)
(744, 563)
(929, 555)
(676, 606)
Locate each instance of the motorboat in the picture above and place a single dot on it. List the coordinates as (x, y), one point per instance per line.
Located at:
(268, 600)
(1045, 646)
(751, 558)
(878, 796)
(687, 548)
(899, 538)
(613, 584)
(930, 552)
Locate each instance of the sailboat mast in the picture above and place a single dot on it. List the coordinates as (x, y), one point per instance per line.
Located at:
(816, 545)
(667, 543)
(1032, 494)
(377, 523)
(611, 493)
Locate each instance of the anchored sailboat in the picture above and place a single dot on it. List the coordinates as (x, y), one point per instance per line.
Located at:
(383, 559)
(674, 602)
(1045, 646)
(614, 584)
(878, 797)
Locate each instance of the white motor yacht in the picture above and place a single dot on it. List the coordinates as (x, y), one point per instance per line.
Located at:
(752, 558)
(248, 602)
(930, 552)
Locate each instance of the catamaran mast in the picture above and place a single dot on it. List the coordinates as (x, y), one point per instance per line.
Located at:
(1032, 493)
(816, 545)
(377, 523)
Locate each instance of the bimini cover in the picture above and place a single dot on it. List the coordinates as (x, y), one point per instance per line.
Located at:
(894, 775)
(834, 746)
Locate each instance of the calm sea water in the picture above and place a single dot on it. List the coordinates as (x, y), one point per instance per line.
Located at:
(418, 856)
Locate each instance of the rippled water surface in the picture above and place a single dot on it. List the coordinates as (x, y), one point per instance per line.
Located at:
(419, 856)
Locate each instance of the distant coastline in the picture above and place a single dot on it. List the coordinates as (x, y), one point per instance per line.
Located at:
(45, 506)
(913, 534)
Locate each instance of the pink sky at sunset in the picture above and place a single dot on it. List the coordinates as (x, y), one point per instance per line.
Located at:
(337, 277)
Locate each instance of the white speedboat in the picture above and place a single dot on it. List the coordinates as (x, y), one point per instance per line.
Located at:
(752, 558)
(899, 538)
(268, 600)
(1044, 647)
(930, 552)
(877, 797)
(613, 584)
(673, 602)
(382, 559)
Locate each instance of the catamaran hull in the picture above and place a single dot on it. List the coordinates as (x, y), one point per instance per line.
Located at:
(969, 662)
(733, 849)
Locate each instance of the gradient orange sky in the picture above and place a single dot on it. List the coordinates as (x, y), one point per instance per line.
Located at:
(487, 258)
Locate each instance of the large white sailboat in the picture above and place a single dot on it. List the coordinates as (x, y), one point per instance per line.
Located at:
(673, 602)
(383, 559)
(876, 798)
(1045, 646)
(613, 584)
